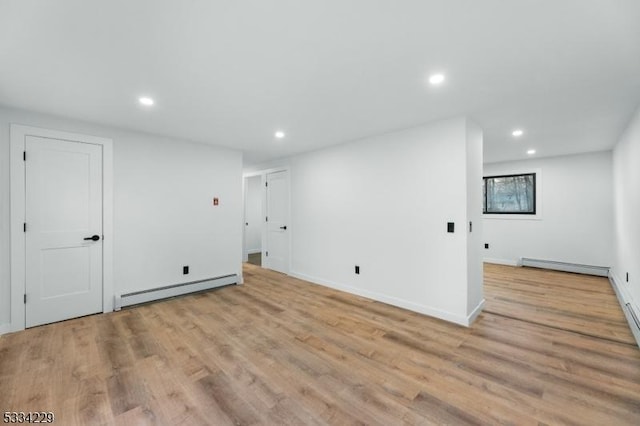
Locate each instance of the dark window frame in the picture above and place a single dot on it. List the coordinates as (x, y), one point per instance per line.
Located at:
(535, 193)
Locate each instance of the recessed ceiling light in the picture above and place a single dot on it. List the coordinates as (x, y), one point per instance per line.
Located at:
(279, 134)
(436, 79)
(517, 133)
(145, 100)
(531, 151)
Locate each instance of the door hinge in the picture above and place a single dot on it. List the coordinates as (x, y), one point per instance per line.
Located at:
(24, 227)
(25, 298)
(24, 155)
(266, 218)
(266, 254)
(266, 184)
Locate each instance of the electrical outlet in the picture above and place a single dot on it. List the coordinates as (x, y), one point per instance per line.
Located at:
(486, 245)
(357, 270)
(185, 270)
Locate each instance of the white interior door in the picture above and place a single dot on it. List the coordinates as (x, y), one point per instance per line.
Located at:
(63, 230)
(277, 248)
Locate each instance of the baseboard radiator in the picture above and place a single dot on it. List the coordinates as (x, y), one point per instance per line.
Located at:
(630, 312)
(633, 320)
(601, 271)
(634, 317)
(137, 297)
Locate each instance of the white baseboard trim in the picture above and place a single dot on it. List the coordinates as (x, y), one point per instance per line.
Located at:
(601, 271)
(5, 328)
(474, 314)
(501, 262)
(627, 304)
(137, 297)
(422, 309)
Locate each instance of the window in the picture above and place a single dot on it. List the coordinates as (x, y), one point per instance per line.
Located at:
(510, 194)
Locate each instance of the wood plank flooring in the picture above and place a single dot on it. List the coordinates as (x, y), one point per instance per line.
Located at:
(581, 303)
(278, 350)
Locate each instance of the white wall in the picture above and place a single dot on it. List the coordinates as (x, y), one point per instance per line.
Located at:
(575, 212)
(474, 215)
(283, 163)
(383, 203)
(253, 214)
(163, 212)
(5, 242)
(626, 177)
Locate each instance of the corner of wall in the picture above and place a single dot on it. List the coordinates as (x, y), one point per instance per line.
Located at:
(474, 313)
(626, 190)
(474, 225)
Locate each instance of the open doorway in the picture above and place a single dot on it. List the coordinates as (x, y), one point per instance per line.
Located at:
(266, 224)
(253, 219)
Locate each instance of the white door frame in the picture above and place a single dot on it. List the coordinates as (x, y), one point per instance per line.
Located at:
(263, 174)
(245, 192)
(18, 238)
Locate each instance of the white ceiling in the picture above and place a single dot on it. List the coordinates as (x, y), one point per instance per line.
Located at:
(328, 71)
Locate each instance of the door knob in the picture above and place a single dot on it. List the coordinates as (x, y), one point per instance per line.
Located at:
(93, 238)
(283, 227)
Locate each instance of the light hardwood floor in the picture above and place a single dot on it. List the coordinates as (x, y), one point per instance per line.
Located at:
(580, 303)
(278, 350)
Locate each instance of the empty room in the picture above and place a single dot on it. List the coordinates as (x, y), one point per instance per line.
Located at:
(320, 212)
